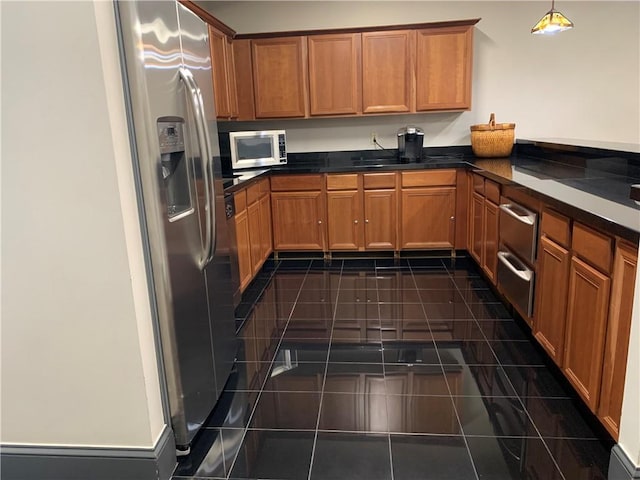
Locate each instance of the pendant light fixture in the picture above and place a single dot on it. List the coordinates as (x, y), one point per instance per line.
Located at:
(552, 22)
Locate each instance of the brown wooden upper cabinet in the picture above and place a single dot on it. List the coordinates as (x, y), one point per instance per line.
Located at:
(443, 68)
(335, 74)
(223, 72)
(387, 66)
(279, 76)
(374, 70)
(244, 79)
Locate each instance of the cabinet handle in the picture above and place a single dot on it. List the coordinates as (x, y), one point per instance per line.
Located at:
(452, 218)
(519, 213)
(366, 221)
(319, 222)
(355, 221)
(512, 264)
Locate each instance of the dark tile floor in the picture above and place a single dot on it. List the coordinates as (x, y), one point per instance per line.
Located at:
(371, 369)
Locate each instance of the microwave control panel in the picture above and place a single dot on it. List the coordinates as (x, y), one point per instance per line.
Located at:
(282, 147)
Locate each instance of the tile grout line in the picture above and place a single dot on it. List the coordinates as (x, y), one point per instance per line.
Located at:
(524, 409)
(244, 433)
(326, 368)
(384, 377)
(464, 438)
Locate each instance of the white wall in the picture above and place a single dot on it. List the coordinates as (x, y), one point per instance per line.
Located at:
(78, 361)
(581, 84)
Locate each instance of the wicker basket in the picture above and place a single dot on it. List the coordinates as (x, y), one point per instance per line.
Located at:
(492, 140)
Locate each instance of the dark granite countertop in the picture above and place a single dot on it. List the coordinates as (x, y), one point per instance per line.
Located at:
(594, 182)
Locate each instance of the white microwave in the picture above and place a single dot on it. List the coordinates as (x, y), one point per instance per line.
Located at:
(257, 149)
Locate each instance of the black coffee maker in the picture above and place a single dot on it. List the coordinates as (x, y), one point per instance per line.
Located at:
(410, 141)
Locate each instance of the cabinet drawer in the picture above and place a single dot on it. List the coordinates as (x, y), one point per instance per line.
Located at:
(240, 200)
(478, 184)
(379, 180)
(492, 191)
(429, 178)
(284, 183)
(556, 227)
(253, 193)
(592, 246)
(264, 187)
(342, 182)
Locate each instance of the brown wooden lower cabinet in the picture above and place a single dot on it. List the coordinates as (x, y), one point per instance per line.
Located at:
(476, 229)
(484, 222)
(344, 217)
(587, 310)
(298, 220)
(428, 218)
(359, 216)
(265, 227)
(253, 230)
(551, 298)
(255, 237)
(244, 248)
(617, 341)
(490, 239)
(380, 219)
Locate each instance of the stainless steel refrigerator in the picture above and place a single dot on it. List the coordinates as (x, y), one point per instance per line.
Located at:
(172, 123)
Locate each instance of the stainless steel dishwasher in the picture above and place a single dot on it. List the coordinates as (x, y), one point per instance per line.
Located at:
(516, 257)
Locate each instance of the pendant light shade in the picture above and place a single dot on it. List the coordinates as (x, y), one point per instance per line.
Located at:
(552, 22)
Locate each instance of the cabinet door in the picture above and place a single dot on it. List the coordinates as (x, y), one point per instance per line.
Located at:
(298, 220)
(617, 342)
(344, 220)
(243, 79)
(490, 239)
(387, 71)
(551, 298)
(586, 325)
(265, 227)
(219, 68)
(255, 238)
(476, 232)
(231, 79)
(380, 219)
(335, 76)
(443, 68)
(279, 78)
(428, 217)
(244, 249)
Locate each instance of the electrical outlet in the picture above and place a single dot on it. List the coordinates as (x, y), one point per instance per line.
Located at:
(374, 137)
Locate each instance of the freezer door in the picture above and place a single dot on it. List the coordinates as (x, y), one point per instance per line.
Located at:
(159, 97)
(221, 278)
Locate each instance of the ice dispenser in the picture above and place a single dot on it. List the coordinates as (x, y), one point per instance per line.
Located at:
(176, 175)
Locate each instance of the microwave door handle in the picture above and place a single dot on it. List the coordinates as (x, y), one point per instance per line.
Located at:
(196, 104)
(529, 217)
(505, 258)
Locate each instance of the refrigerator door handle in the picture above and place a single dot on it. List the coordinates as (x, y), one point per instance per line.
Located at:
(205, 156)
